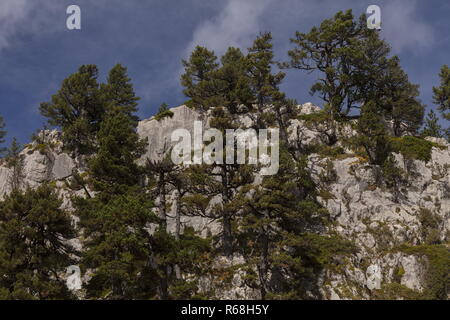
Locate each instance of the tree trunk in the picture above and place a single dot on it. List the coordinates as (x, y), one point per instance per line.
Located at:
(263, 263)
(162, 203)
(163, 287)
(163, 226)
(178, 229)
(227, 236)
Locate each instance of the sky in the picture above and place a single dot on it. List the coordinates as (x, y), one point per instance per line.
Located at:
(151, 37)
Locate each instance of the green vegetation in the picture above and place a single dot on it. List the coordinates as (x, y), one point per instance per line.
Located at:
(413, 148)
(432, 127)
(275, 223)
(355, 70)
(15, 161)
(430, 226)
(438, 275)
(163, 112)
(119, 94)
(77, 109)
(33, 247)
(373, 134)
(396, 291)
(442, 93)
(393, 176)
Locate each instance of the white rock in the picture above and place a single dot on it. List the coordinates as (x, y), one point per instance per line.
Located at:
(374, 277)
(414, 270)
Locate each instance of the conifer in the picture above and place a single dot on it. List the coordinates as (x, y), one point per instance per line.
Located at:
(432, 127)
(15, 161)
(119, 92)
(197, 77)
(34, 247)
(77, 108)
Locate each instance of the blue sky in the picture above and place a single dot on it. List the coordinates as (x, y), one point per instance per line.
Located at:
(150, 37)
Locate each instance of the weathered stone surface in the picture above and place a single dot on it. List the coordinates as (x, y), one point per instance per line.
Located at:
(159, 132)
(414, 270)
(5, 175)
(361, 208)
(373, 277)
(62, 166)
(37, 167)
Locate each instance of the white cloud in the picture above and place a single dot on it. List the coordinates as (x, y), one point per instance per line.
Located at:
(24, 16)
(12, 15)
(236, 25)
(403, 28)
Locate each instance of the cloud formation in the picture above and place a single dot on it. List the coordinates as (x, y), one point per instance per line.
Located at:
(24, 17)
(12, 15)
(403, 27)
(151, 37)
(236, 25)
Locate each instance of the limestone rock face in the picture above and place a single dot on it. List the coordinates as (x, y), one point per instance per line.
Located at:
(159, 132)
(414, 271)
(374, 277)
(370, 215)
(363, 210)
(5, 174)
(62, 166)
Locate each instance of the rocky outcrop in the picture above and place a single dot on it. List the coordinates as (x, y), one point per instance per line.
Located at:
(158, 132)
(41, 162)
(368, 213)
(362, 209)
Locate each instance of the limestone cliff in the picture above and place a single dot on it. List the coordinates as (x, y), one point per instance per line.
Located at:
(362, 209)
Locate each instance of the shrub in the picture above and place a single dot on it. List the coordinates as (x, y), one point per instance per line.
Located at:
(438, 274)
(163, 112)
(413, 148)
(395, 291)
(430, 226)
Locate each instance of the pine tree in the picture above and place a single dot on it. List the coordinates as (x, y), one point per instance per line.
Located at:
(34, 251)
(393, 176)
(113, 169)
(265, 86)
(399, 99)
(196, 80)
(115, 225)
(77, 108)
(347, 54)
(432, 127)
(117, 246)
(158, 173)
(232, 82)
(225, 91)
(211, 181)
(373, 136)
(183, 252)
(441, 95)
(223, 180)
(240, 84)
(119, 92)
(2, 134)
(163, 112)
(115, 222)
(278, 233)
(190, 253)
(15, 161)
